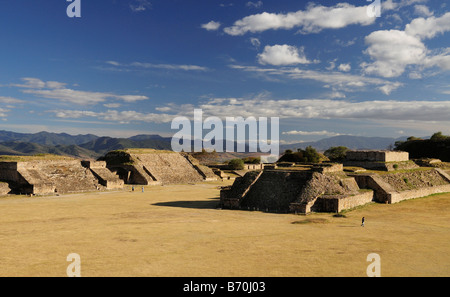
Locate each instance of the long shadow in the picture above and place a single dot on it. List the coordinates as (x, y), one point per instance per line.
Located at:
(212, 203)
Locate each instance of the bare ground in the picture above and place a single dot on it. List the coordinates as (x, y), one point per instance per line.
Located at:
(178, 231)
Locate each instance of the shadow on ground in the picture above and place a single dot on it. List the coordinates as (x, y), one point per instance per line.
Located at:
(211, 203)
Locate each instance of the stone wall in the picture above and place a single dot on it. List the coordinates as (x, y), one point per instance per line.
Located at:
(105, 176)
(328, 167)
(50, 176)
(340, 203)
(275, 190)
(8, 172)
(384, 166)
(4, 188)
(156, 167)
(168, 168)
(206, 172)
(390, 188)
(46, 176)
(373, 181)
(298, 191)
(395, 197)
(377, 156)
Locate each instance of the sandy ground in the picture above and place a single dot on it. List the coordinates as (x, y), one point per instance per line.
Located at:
(178, 231)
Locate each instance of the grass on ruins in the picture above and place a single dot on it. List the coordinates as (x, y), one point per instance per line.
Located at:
(177, 231)
(37, 157)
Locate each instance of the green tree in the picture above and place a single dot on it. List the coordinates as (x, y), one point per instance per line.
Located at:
(292, 157)
(252, 160)
(438, 136)
(310, 154)
(412, 138)
(236, 164)
(336, 153)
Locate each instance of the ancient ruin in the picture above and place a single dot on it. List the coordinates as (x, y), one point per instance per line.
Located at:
(397, 186)
(299, 190)
(54, 174)
(327, 188)
(49, 174)
(383, 176)
(156, 167)
(379, 160)
(4, 188)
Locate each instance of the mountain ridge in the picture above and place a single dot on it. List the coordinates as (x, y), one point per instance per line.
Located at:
(92, 146)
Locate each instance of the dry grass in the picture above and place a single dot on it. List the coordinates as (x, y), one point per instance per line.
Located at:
(147, 151)
(177, 231)
(38, 157)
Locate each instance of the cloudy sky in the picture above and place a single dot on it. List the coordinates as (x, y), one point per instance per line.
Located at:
(129, 67)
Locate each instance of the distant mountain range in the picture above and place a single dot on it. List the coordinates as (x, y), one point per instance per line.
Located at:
(91, 146)
(81, 146)
(351, 142)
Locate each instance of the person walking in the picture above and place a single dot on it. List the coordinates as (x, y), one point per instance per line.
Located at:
(362, 222)
(142, 189)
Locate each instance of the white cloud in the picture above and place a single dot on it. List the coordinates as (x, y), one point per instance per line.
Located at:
(31, 82)
(338, 80)
(114, 63)
(140, 5)
(394, 50)
(332, 65)
(112, 105)
(130, 98)
(307, 133)
(284, 109)
(391, 5)
(254, 4)
(3, 112)
(346, 43)
(314, 19)
(10, 100)
(144, 65)
(336, 94)
(122, 117)
(328, 109)
(422, 10)
(58, 91)
(345, 67)
(211, 26)
(388, 88)
(429, 27)
(282, 55)
(441, 60)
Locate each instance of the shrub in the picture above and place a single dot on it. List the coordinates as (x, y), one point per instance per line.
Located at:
(311, 155)
(308, 155)
(336, 153)
(236, 164)
(292, 157)
(252, 160)
(438, 136)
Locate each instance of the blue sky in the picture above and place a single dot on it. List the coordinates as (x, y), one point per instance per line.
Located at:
(129, 67)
